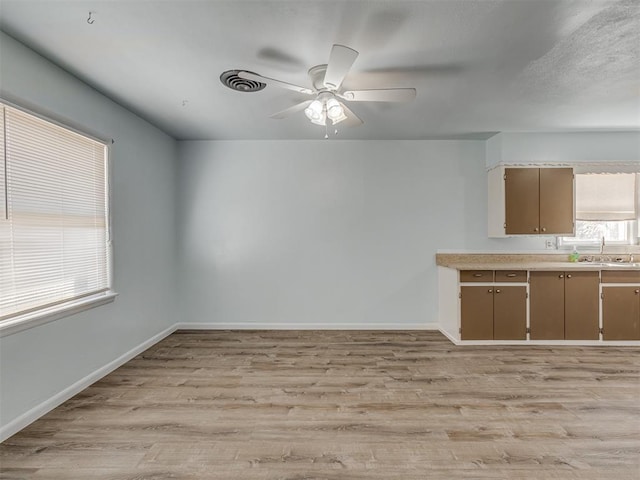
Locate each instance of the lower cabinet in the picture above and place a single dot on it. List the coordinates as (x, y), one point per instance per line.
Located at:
(564, 305)
(560, 305)
(493, 313)
(620, 306)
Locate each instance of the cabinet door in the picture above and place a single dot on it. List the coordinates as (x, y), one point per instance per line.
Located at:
(522, 201)
(581, 306)
(556, 201)
(476, 313)
(621, 313)
(510, 313)
(547, 305)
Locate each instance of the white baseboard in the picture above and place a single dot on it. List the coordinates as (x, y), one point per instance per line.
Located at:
(451, 338)
(304, 326)
(548, 343)
(543, 343)
(32, 415)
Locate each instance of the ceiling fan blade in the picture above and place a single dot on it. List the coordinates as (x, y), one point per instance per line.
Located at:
(380, 95)
(352, 119)
(272, 81)
(291, 110)
(340, 62)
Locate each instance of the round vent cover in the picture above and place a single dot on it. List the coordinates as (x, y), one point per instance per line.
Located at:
(231, 79)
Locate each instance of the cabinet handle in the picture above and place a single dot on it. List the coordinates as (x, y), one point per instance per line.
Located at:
(560, 276)
(544, 229)
(511, 275)
(569, 276)
(477, 274)
(498, 290)
(637, 291)
(490, 290)
(535, 229)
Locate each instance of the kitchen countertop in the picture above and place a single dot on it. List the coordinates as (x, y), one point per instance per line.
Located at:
(495, 261)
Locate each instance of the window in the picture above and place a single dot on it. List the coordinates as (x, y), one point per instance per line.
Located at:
(54, 229)
(606, 207)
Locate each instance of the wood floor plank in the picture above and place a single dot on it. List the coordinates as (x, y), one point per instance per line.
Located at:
(294, 405)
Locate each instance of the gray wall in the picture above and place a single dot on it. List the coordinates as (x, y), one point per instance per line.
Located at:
(38, 363)
(326, 233)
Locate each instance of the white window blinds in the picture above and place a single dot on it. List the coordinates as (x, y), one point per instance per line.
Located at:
(54, 233)
(606, 197)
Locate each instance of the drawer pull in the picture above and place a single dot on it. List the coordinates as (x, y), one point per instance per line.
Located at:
(544, 229)
(569, 276)
(560, 276)
(512, 275)
(637, 291)
(498, 290)
(477, 274)
(490, 291)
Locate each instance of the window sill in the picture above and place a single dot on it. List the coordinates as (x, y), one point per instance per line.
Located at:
(35, 319)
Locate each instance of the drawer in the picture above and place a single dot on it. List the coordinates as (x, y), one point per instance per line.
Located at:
(476, 275)
(620, 276)
(511, 276)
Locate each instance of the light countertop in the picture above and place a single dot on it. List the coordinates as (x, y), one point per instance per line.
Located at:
(496, 261)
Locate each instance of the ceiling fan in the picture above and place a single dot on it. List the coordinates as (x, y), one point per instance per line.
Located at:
(327, 102)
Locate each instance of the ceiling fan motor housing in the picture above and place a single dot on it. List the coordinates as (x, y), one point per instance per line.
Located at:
(316, 74)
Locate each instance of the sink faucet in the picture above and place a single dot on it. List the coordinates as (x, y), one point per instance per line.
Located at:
(602, 246)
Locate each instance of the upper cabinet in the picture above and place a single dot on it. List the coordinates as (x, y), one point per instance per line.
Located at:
(531, 201)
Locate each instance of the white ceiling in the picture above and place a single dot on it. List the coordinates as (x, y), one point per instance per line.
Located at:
(479, 66)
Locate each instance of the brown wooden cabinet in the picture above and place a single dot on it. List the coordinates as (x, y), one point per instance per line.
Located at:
(564, 305)
(476, 313)
(493, 311)
(581, 306)
(539, 201)
(510, 313)
(621, 306)
(546, 305)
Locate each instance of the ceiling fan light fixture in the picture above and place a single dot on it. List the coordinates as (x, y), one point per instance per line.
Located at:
(315, 111)
(322, 121)
(334, 110)
(335, 121)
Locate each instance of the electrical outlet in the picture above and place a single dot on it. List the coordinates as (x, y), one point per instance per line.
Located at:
(550, 244)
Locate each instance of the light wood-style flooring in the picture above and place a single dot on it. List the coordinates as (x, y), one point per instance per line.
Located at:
(339, 405)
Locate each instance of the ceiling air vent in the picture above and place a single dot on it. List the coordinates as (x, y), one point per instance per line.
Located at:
(231, 79)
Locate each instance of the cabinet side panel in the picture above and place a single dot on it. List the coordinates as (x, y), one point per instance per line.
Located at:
(581, 306)
(556, 201)
(522, 201)
(477, 313)
(546, 305)
(510, 313)
(495, 195)
(448, 302)
(621, 313)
